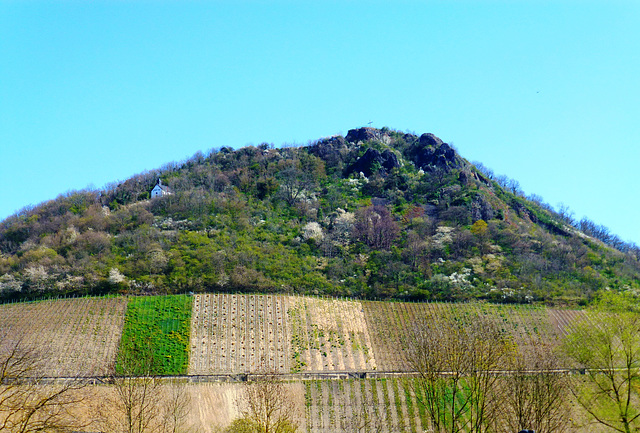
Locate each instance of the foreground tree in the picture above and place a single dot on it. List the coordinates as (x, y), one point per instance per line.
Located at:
(175, 408)
(138, 401)
(607, 346)
(455, 358)
(534, 394)
(266, 406)
(27, 402)
(133, 405)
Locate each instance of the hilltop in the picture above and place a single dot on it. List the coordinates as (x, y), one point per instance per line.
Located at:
(377, 213)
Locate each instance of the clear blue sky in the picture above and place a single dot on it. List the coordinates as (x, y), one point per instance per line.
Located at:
(546, 92)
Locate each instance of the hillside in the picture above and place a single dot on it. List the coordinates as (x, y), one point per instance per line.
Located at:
(376, 214)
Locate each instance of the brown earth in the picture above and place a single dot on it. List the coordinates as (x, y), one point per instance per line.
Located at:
(77, 337)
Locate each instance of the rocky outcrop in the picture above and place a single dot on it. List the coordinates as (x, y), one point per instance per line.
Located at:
(481, 209)
(329, 148)
(362, 134)
(366, 134)
(524, 212)
(427, 140)
(480, 178)
(430, 152)
(374, 161)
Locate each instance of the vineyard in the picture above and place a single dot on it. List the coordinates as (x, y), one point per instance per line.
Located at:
(391, 405)
(243, 333)
(390, 324)
(329, 335)
(376, 405)
(77, 336)
(230, 334)
(239, 333)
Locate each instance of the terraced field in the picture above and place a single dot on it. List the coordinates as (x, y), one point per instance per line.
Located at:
(239, 333)
(242, 333)
(390, 324)
(329, 335)
(77, 336)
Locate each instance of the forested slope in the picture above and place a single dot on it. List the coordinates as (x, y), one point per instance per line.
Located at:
(375, 214)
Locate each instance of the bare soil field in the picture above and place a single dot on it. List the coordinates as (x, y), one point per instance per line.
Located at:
(239, 333)
(78, 337)
(329, 334)
(245, 333)
(210, 408)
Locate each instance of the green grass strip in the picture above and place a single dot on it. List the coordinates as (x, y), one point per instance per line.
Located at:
(409, 404)
(330, 394)
(396, 397)
(387, 403)
(155, 338)
(420, 402)
(374, 394)
(308, 400)
(319, 403)
(363, 401)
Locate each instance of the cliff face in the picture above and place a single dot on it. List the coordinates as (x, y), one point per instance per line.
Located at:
(377, 213)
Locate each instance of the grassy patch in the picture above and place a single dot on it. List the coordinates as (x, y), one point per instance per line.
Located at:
(421, 408)
(396, 397)
(155, 338)
(409, 404)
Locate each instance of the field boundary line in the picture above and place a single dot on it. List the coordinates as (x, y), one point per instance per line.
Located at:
(287, 377)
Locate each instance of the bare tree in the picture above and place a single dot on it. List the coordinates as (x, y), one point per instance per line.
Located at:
(375, 227)
(133, 406)
(144, 404)
(176, 409)
(566, 214)
(27, 402)
(484, 169)
(514, 187)
(138, 401)
(266, 405)
(534, 394)
(416, 249)
(455, 358)
(298, 176)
